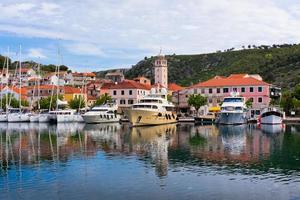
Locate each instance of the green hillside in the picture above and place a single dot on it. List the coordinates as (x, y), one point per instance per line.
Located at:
(278, 64)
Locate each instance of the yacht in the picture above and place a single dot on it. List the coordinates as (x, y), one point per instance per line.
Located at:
(102, 114)
(34, 117)
(271, 116)
(68, 115)
(153, 109)
(233, 110)
(18, 115)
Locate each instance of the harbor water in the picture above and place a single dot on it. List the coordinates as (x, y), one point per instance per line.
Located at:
(183, 161)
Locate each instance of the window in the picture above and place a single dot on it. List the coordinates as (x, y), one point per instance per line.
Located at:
(260, 89)
(115, 92)
(130, 101)
(243, 89)
(210, 100)
(130, 92)
(195, 91)
(210, 90)
(203, 91)
(234, 89)
(218, 90)
(122, 92)
(260, 99)
(251, 89)
(122, 101)
(225, 90)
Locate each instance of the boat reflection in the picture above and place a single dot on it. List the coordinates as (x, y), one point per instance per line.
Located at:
(159, 147)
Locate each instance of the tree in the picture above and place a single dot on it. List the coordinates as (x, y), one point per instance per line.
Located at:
(77, 103)
(45, 102)
(196, 100)
(287, 102)
(103, 99)
(13, 102)
(249, 103)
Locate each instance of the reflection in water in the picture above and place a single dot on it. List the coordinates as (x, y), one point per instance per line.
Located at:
(272, 151)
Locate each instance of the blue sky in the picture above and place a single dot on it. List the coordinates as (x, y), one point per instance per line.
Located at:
(95, 35)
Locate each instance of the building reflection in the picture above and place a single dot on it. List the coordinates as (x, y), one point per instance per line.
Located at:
(158, 146)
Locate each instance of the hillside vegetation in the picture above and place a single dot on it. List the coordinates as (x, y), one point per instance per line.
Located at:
(277, 64)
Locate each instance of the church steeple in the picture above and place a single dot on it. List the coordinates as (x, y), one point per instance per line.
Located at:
(161, 71)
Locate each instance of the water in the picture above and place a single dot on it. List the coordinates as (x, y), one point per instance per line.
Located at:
(112, 161)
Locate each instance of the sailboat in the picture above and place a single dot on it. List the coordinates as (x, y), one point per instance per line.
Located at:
(3, 115)
(34, 117)
(19, 114)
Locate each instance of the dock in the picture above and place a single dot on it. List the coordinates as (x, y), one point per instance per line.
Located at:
(291, 120)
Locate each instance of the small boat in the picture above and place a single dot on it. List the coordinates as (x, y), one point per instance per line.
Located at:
(210, 117)
(18, 115)
(102, 114)
(3, 116)
(153, 109)
(271, 116)
(233, 110)
(68, 115)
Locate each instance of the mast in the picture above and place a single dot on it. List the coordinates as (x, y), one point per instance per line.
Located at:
(57, 91)
(1, 85)
(7, 65)
(38, 87)
(20, 84)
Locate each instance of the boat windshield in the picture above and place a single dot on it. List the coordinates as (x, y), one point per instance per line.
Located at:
(233, 100)
(98, 110)
(145, 106)
(150, 101)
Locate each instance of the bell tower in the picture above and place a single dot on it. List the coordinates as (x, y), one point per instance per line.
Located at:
(161, 71)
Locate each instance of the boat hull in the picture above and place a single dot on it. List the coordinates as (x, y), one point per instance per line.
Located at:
(94, 119)
(17, 117)
(232, 118)
(271, 119)
(34, 118)
(62, 118)
(144, 117)
(3, 117)
(44, 118)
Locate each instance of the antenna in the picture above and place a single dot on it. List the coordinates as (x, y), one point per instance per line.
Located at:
(160, 51)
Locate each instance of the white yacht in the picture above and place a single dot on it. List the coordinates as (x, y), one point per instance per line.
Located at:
(68, 115)
(102, 114)
(271, 116)
(18, 115)
(34, 117)
(233, 110)
(153, 109)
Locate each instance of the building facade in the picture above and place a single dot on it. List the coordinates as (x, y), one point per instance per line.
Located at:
(126, 92)
(252, 87)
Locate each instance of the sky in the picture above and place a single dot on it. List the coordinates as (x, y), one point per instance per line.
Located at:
(101, 34)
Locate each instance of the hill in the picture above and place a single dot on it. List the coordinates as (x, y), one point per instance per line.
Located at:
(277, 64)
(31, 64)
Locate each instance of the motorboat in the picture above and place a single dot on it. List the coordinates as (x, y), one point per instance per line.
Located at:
(233, 110)
(102, 114)
(67, 115)
(153, 109)
(271, 116)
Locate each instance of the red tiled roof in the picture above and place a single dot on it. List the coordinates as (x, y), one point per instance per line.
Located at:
(71, 90)
(126, 84)
(232, 80)
(174, 87)
(89, 74)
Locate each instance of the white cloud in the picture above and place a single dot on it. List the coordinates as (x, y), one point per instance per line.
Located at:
(36, 53)
(98, 28)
